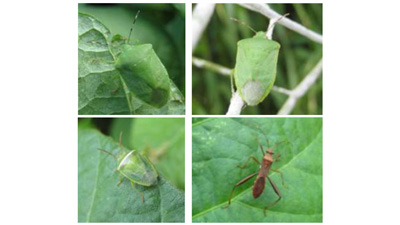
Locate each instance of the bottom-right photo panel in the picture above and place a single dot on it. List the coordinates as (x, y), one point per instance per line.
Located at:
(257, 169)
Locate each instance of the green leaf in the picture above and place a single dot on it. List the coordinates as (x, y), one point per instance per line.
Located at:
(151, 27)
(101, 90)
(221, 144)
(98, 80)
(101, 200)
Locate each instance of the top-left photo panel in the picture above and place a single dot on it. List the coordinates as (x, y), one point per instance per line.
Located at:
(131, 59)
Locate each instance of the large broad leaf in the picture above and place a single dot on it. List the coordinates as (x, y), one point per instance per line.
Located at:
(221, 144)
(99, 83)
(101, 200)
(101, 90)
(148, 29)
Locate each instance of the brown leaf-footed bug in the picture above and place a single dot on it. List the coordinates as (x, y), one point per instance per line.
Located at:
(262, 174)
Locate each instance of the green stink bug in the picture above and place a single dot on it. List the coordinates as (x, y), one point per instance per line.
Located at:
(135, 167)
(255, 69)
(144, 73)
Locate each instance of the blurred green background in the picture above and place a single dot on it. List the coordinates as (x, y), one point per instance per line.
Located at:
(162, 140)
(298, 55)
(162, 25)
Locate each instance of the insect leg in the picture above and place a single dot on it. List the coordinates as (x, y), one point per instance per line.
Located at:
(121, 178)
(247, 162)
(238, 184)
(139, 192)
(277, 192)
(280, 173)
(232, 88)
(277, 157)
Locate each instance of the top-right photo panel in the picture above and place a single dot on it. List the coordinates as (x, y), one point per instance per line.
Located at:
(257, 59)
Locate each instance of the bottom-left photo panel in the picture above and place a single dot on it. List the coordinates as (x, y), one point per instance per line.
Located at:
(131, 170)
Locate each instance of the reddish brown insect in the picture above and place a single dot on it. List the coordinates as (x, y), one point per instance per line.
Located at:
(259, 183)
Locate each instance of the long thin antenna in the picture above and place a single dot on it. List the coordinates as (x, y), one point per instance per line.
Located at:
(134, 21)
(278, 143)
(105, 151)
(243, 23)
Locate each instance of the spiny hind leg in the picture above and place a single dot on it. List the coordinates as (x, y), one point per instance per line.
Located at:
(238, 184)
(277, 192)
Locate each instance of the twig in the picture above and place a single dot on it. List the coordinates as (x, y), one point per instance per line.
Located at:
(236, 105)
(281, 90)
(204, 64)
(201, 63)
(201, 16)
(301, 89)
(268, 12)
(294, 94)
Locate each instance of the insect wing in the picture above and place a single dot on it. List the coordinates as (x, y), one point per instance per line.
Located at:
(258, 187)
(255, 68)
(138, 169)
(144, 74)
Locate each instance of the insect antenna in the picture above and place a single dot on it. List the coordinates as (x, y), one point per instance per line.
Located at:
(261, 147)
(134, 21)
(278, 143)
(109, 153)
(243, 23)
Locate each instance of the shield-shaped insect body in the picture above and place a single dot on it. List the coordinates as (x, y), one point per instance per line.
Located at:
(135, 167)
(138, 169)
(144, 74)
(255, 68)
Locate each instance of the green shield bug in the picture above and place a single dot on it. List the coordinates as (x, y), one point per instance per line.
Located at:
(135, 167)
(144, 73)
(255, 69)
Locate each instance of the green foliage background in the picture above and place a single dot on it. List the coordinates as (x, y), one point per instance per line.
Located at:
(99, 197)
(298, 55)
(221, 144)
(162, 25)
